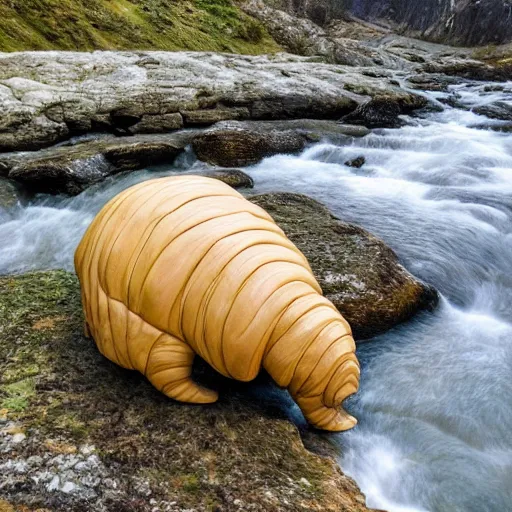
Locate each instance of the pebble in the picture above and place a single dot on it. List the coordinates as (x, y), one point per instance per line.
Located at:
(305, 482)
(18, 438)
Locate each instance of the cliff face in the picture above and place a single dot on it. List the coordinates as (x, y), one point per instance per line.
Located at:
(460, 22)
(463, 22)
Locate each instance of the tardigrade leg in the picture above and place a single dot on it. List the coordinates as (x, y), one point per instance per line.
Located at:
(169, 369)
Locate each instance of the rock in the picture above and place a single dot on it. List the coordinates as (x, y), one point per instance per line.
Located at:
(357, 272)
(70, 169)
(384, 111)
(9, 194)
(356, 162)
(432, 82)
(235, 178)
(144, 446)
(158, 123)
(238, 148)
(471, 69)
(207, 117)
(503, 128)
(497, 110)
(46, 97)
(458, 22)
(312, 129)
(302, 36)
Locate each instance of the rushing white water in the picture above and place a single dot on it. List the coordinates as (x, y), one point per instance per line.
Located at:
(435, 405)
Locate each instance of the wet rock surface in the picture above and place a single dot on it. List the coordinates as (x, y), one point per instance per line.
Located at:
(497, 110)
(235, 178)
(70, 169)
(47, 97)
(357, 271)
(244, 147)
(10, 195)
(80, 433)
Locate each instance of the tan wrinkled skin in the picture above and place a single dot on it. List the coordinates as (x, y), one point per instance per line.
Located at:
(180, 266)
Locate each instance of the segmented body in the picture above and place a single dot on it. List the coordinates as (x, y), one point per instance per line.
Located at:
(180, 266)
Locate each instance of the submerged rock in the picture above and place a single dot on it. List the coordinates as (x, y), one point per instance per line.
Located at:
(99, 437)
(357, 271)
(357, 163)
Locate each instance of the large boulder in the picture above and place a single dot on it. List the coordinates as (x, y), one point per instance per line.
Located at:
(357, 271)
(80, 433)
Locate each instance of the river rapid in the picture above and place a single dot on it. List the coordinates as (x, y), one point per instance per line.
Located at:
(435, 404)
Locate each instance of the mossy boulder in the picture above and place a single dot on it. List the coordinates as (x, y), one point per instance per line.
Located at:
(80, 433)
(232, 148)
(357, 271)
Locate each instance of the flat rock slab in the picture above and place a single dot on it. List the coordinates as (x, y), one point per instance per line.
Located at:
(73, 166)
(47, 97)
(357, 271)
(70, 169)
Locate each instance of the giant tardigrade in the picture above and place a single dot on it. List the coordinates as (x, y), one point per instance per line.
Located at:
(179, 266)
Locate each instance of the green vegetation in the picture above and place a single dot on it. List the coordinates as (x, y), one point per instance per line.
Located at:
(17, 395)
(60, 392)
(83, 25)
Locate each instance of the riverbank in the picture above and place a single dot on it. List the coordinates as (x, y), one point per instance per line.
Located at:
(334, 123)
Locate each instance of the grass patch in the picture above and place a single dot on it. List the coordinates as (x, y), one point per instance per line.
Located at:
(198, 457)
(84, 25)
(17, 395)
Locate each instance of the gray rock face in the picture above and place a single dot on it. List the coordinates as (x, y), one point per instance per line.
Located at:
(357, 271)
(463, 22)
(9, 194)
(46, 97)
(70, 169)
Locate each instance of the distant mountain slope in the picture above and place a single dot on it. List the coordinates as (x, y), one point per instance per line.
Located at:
(459, 22)
(216, 25)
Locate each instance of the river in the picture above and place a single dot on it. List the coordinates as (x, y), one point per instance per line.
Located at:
(435, 404)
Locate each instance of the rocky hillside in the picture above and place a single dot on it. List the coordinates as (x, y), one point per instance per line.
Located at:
(459, 22)
(216, 25)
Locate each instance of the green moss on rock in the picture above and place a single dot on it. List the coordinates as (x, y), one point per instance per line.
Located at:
(238, 454)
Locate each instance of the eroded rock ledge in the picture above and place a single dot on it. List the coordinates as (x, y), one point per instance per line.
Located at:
(51, 96)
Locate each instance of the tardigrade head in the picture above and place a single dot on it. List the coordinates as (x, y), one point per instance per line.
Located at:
(323, 370)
